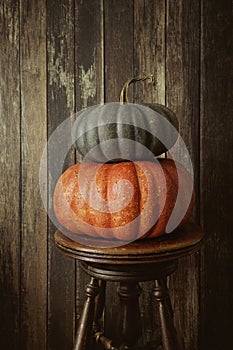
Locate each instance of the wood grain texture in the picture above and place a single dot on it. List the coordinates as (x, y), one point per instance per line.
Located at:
(89, 85)
(118, 48)
(149, 57)
(89, 53)
(10, 175)
(182, 96)
(34, 220)
(216, 175)
(118, 55)
(61, 104)
(149, 49)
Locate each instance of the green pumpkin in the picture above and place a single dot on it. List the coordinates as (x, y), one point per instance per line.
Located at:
(119, 131)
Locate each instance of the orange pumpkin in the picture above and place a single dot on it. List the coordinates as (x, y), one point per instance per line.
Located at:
(126, 201)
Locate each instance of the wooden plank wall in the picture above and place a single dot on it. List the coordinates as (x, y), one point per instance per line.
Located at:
(60, 92)
(182, 96)
(10, 179)
(216, 166)
(58, 57)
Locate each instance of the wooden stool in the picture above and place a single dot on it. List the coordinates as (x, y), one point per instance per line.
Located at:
(144, 260)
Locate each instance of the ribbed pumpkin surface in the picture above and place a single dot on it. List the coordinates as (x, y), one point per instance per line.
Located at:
(124, 201)
(145, 124)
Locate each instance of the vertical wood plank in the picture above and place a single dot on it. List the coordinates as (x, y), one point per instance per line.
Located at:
(10, 175)
(60, 95)
(118, 53)
(216, 175)
(149, 49)
(149, 57)
(182, 96)
(89, 87)
(89, 53)
(34, 219)
(118, 38)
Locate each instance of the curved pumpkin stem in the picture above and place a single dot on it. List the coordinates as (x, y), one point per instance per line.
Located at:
(124, 91)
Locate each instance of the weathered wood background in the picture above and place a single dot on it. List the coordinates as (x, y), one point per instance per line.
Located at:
(57, 57)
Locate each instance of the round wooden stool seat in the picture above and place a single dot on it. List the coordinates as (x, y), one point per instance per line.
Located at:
(167, 247)
(142, 260)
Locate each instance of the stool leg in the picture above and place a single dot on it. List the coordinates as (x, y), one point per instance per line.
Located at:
(129, 293)
(168, 332)
(84, 331)
(99, 305)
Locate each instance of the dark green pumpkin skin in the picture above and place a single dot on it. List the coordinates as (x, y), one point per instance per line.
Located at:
(165, 112)
(127, 126)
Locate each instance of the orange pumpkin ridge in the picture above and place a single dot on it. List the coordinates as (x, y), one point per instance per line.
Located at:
(94, 199)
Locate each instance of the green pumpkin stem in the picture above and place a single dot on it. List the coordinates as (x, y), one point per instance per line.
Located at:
(124, 91)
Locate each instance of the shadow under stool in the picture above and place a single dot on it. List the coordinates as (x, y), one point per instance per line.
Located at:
(139, 261)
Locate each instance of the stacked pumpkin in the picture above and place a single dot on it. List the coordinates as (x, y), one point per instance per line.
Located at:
(121, 190)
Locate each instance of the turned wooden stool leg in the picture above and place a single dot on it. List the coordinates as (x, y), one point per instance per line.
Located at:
(129, 293)
(99, 305)
(84, 331)
(168, 332)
